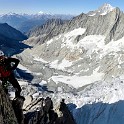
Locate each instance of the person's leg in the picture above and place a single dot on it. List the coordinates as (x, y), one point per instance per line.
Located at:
(15, 84)
(5, 85)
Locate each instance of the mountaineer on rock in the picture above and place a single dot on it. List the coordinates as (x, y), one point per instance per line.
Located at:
(7, 65)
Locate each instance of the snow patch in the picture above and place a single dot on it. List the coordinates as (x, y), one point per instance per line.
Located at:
(12, 95)
(23, 83)
(92, 14)
(42, 82)
(35, 95)
(24, 68)
(64, 63)
(40, 60)
(69, 38)
(90, 43)
(49, 42)
(75, 32)
(78, 81)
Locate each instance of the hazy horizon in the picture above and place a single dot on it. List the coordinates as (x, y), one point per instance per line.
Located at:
(73, 7)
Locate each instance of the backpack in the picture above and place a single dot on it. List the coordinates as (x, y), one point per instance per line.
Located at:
(3, 70)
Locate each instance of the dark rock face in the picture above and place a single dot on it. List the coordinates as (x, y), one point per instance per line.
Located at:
(46, 114)
(10, 39)
(11, 32)
(11, 112)
(7, 115)
(17, 105)
(67, 117)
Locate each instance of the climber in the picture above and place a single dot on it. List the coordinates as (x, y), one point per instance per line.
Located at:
(7, 66)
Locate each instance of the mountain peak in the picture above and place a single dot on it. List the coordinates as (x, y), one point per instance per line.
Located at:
(103, 10)
(106, 5)
(11, 14)
(42, 13)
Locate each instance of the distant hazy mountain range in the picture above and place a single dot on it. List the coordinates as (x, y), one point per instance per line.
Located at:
(24, 22)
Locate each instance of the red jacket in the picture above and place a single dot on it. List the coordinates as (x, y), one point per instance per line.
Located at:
(6, 66)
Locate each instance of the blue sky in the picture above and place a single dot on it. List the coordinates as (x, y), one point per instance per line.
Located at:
(55, 6)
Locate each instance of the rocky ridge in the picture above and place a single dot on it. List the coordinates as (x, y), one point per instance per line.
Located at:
(7, 115)
(108, 25)
(11, 111)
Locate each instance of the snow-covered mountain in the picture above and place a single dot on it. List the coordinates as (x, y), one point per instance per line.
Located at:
(24, 22)
(103, 10)
(81, 60)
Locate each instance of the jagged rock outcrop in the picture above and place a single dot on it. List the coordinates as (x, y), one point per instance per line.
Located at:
(44, 32)
(11, 112)
(7, 115)
(17, 105)
(47, 115)
(45, 28)
(66, 117)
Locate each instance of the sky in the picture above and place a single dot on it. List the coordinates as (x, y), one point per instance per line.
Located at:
(55, 6)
